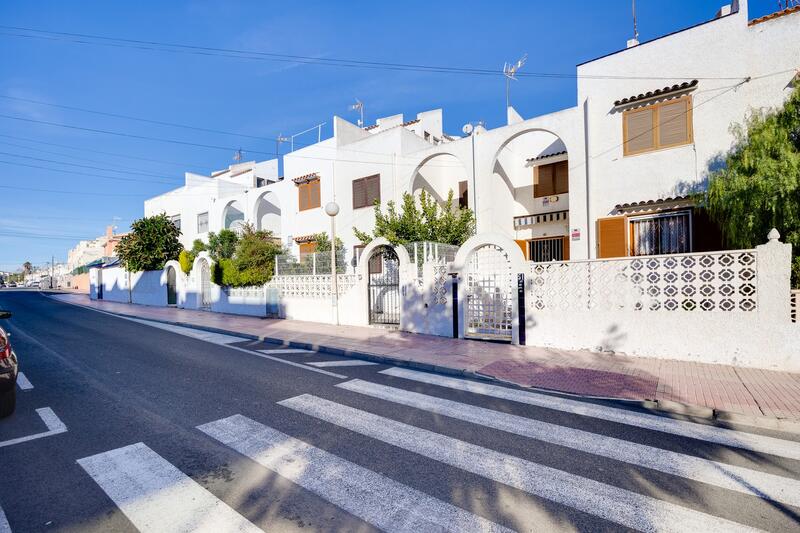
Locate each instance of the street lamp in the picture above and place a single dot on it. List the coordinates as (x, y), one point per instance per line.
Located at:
(332, 209)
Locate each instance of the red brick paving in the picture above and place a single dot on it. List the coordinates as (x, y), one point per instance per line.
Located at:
(741, 390)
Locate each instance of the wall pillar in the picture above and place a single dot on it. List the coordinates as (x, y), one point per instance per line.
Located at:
(773, 267)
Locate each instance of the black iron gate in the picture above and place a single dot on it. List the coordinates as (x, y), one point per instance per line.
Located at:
(384, 287)
(172, 287)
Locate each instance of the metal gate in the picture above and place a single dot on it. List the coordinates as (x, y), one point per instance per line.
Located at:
(172, 289)
(383, 287)
(490, 292)
(205, 285)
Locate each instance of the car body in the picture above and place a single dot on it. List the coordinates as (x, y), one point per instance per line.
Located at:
(12, 285)
(9, 368)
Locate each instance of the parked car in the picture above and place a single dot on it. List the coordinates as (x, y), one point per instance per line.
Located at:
(12, 285)
(8, 371)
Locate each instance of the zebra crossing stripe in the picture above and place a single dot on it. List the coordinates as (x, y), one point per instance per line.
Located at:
(23, 382)
(156, 496)
(744, 480)
(611, 503)
(716, 435)
(4, 526)
(372, 497)
(346, 362)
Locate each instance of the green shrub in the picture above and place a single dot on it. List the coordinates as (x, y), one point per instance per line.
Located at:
(185, 259)
(151, 243)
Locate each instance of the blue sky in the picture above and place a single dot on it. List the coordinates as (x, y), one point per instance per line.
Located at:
(258, 98)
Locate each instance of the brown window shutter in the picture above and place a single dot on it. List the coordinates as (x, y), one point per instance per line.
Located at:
(638, 130)
(566, 248)
(313, 194)
(359, 193)
(463, 195)
(545, 186)
(302, 197)
(673, 123)
(373, 189)
(612, 237)
(561, 177)
(523, 245)
(307, 248)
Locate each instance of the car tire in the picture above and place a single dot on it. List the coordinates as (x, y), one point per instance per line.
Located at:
(8, 401)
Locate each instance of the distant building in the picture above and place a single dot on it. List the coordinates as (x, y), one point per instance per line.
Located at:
(88, 251)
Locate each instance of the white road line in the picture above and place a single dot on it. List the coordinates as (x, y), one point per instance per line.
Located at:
(158, 497)
(209, 336)
(4, 526)
(717, 435)
(372, 497)
(346, 362)
(744, 480)
(23, 382)
(618, 505)
(216, 338)
(287, 351)
(53, 423)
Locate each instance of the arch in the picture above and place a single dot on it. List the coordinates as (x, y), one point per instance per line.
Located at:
(403, 265)
(201, 271)
(402, 255)
(233, 215)
(488, 265)
(437, 174)
(267, 213)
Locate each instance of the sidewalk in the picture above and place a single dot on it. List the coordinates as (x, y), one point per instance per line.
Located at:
(741, 391)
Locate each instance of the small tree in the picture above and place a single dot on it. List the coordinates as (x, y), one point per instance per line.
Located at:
(759, 187)
(27, 267)
(324, 243)
(187, 257)
(447, 224)
(151, 242)
(252, 261)
(222, 245)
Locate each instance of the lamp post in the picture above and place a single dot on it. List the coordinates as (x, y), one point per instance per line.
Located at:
(332, 209)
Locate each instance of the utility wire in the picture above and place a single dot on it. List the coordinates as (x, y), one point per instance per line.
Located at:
(87, 166)
(81, 38)
(113, 154)
(130, 117)
(117, 178)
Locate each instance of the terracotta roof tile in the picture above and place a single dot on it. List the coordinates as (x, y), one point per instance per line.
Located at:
(777, 14)
(653, 203)
(658, 92)
(545, 156)
(306, 178)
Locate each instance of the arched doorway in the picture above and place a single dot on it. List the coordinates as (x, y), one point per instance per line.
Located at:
(172, 286)
(383, 287)
(489, 309)
(268, 213)
(438, 175)
(205, 285)
(233, 216)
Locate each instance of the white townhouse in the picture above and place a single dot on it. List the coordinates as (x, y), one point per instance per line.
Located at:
(608, 177)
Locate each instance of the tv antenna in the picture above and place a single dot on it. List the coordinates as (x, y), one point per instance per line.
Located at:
(238, 155)
(359, 106)
(635, 25)
(510, 72)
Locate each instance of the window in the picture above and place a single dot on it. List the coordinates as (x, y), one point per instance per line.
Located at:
(668, 233)
(656, 126)
(307, 248)
(549, 249)
(551, 179)
(308, 195)
(176, 219)
(202, 222)
(366, 191)
(358, 249)
(463, 195)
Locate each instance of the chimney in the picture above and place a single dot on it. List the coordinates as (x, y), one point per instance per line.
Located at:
(633, 42)
(109, 231)
(724, 11)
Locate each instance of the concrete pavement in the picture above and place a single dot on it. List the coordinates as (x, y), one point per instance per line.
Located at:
(745, 395)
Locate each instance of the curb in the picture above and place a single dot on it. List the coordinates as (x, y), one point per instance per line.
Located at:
(689, 411)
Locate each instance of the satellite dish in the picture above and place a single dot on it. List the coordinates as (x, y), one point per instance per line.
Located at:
(467, 129)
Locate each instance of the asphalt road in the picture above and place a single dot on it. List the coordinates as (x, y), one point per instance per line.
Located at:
(158, 428)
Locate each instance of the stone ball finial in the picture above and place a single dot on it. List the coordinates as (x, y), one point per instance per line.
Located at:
(773, 235)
